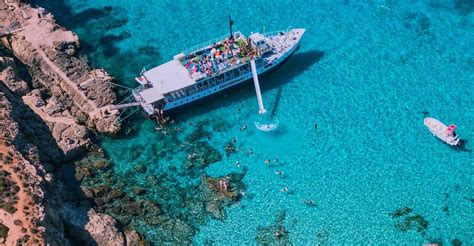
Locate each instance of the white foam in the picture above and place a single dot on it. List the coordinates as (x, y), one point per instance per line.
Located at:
(267, 127)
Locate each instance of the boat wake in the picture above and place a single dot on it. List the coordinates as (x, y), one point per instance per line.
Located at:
(267, 127)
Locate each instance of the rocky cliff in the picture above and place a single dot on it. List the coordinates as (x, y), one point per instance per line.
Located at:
(51, 103)
(49, 53)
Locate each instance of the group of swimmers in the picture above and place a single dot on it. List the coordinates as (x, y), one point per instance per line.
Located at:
(266, 161)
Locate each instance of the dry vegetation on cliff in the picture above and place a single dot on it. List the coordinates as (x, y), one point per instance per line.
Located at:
(51, 102)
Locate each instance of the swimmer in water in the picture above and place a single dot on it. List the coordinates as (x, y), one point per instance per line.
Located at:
(278, 172)
(234, 139)
(284, 190)
(267, 161)
(250, 152)
(243, 127)
(308, 202)
(237, 163)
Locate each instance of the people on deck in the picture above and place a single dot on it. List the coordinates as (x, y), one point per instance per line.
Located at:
(216, 58)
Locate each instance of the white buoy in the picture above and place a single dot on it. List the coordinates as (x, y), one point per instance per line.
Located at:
(257, 87)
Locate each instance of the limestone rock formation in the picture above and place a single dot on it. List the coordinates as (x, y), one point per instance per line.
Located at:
(48, 51)
(9, 74)
(50, 101)
(102, 228)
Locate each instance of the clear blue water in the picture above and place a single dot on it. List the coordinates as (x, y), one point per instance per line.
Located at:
(367, 73)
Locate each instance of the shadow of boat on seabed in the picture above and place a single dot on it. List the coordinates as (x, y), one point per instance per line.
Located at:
(295, 65)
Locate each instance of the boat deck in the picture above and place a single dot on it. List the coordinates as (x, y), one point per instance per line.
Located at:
(217, 57)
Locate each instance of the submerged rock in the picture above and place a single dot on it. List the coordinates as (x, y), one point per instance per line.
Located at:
(138, 190)
(275, 234)
(101, 164)
(407, 220)
(201, 155)
(140, 168)
(322, 236)
(401, 212)
(101, 190)
(456, 242)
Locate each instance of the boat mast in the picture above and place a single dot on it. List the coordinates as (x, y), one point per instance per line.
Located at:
(231, 22)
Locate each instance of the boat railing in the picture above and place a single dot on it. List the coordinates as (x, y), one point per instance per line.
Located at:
(208, 43)
(274, 33)
(136, 94)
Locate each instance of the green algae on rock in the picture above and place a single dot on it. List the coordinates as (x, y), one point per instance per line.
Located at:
(172, 207)
(275, 234)
(407, 220)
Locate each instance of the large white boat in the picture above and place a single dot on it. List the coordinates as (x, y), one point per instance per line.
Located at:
(212, 67)
(443, 132)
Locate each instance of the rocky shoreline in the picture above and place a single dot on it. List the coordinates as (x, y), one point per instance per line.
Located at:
(57, 181)
(51, 104)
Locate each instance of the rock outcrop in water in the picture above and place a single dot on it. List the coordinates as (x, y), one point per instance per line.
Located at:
(275, 234)
(51, 102)
(181, 207)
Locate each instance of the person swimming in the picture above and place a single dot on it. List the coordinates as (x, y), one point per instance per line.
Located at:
(234, 139)
(278, 172)
(250, 151)
(284, 190)
(237, 163)
(267, 161)
(308, 202)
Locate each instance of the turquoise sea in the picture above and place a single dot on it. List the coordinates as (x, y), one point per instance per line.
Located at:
(367, 73)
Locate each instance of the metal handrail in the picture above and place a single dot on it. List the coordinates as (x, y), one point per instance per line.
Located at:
(220, 38)
(273, 33)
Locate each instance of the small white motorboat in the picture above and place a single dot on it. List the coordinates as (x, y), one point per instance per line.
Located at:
(443, 132)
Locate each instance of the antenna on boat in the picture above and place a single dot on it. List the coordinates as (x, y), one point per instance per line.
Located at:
(231, 22)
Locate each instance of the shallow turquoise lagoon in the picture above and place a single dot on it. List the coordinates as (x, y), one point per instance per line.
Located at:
(367, 73)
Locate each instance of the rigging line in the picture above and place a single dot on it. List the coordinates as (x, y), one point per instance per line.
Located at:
(119, 85)
(121, 120)
(125, 99)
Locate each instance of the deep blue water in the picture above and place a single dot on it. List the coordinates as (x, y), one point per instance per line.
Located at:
(367, 73)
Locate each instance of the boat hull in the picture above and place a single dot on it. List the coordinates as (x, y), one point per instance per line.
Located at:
(189, 100)
(438, 129)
